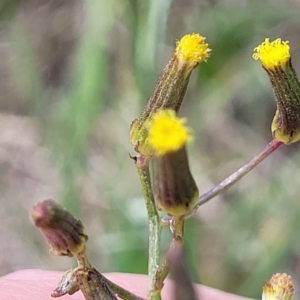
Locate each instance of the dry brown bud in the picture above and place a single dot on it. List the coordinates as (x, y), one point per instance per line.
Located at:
(62, 231)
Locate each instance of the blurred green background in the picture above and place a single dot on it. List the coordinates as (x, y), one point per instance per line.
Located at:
(74, 74)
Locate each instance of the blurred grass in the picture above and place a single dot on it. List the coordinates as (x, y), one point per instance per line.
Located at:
(75, 74)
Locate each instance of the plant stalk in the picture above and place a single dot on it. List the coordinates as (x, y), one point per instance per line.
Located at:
(142, 165)
(122, 293)
(119, 291)
(177, 228)
(237, 175)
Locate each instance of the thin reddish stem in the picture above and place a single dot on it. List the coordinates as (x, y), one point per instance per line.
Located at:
(237, 175)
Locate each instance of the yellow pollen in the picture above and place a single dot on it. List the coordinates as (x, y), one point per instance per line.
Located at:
(273, 54)
(279, 287)
(193, 49)
(167, 132)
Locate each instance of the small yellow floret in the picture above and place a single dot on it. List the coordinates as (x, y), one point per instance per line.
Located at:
(279, 287)
(273, 54)
(193, 49)
(167, 132)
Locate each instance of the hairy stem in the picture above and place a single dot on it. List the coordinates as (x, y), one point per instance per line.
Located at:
(142, 165)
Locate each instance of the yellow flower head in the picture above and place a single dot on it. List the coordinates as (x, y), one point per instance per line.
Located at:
(167, 132)
(279, 287)
(192, 49)
(273, 54)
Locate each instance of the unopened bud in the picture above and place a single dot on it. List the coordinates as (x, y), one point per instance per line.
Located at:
(276, 60)
(62, 231)
(171, 87)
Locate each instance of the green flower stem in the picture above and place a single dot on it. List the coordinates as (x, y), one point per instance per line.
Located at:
(142, 165)
(237, 175)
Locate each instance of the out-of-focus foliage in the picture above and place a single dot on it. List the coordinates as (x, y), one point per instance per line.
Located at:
(74, 74)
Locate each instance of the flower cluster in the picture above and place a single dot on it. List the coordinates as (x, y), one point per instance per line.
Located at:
(160, 136)
(170, 88)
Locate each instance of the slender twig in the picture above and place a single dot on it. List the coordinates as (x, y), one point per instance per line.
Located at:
(119, 291)
(176, 226)
(82, 259)
(237, 175)
(83, 263)
(142, 165)
(92, 285)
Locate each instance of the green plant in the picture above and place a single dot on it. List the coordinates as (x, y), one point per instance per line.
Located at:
(160, 136)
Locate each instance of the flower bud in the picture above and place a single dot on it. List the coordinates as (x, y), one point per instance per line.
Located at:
(63, 232)
(175, 189)
(276, 60)
(279, 287)
(170, 88)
